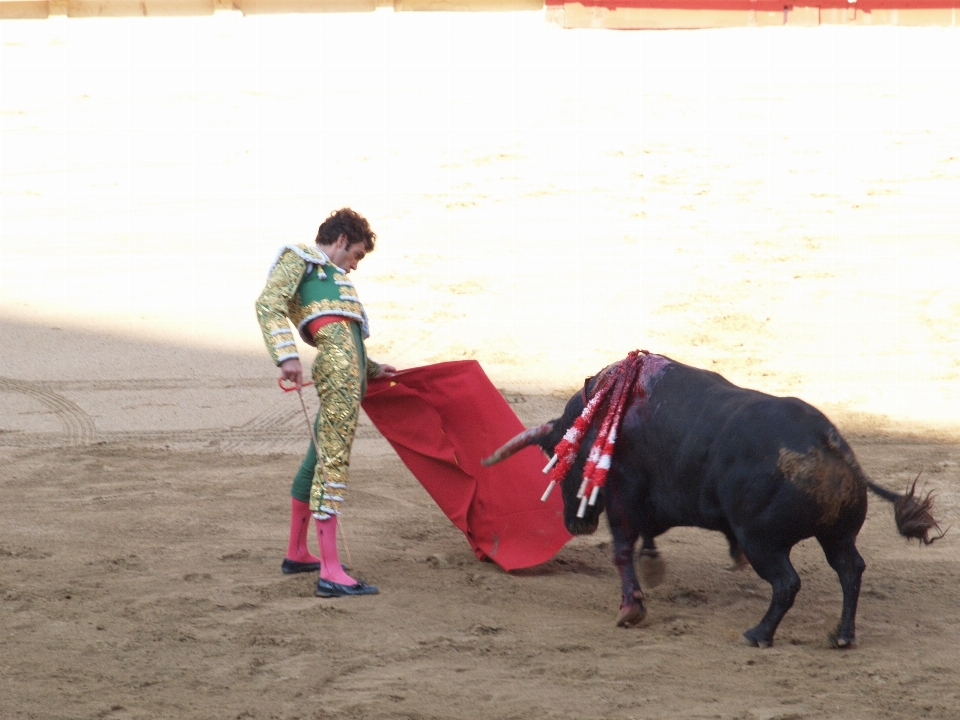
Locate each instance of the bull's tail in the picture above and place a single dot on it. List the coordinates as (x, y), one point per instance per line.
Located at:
(913, 513)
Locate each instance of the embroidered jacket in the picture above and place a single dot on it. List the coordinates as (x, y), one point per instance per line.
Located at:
(303, 285)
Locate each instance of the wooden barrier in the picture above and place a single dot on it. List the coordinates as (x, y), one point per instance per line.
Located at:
(142, 8)
(39, 9)
(575, 15)
(24, 9)
(615, 14)
(253, 7)
(469, 5)
(275, 7)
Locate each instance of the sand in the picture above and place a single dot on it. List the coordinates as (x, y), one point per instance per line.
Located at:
(778, 205)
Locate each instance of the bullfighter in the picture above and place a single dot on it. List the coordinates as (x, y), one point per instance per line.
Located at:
(308, 286)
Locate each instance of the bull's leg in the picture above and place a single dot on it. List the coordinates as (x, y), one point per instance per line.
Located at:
(773, 565)
(844, 558)
(738, 559)
(652, 566)
(632, 611)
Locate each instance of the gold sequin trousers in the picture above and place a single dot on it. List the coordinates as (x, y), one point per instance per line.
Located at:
(339, 383)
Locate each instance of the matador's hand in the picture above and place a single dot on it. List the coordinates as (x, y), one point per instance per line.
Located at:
(386, 370)
(291, 371)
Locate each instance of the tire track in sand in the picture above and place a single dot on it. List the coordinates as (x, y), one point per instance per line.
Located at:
(78, 427)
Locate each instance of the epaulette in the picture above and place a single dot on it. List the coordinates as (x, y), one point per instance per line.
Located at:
(311, 255)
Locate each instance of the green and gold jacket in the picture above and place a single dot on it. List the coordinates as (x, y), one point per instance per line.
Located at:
(303, 285)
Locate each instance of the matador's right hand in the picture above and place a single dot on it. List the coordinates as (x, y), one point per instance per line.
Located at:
(291, 371)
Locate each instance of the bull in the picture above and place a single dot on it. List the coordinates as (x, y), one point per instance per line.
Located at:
(696, 450)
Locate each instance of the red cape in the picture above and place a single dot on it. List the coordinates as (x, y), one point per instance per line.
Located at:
(442, 419)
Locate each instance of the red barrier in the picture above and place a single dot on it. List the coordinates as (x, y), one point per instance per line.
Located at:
(761, 5)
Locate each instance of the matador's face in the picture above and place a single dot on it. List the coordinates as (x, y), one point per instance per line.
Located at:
(344, 255)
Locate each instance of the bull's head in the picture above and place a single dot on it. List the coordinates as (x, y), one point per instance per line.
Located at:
(547, 436)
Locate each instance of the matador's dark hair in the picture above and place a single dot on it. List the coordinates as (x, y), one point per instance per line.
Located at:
(350, 223)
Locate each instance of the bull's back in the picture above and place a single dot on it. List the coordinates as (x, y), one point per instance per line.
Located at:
(729, 455)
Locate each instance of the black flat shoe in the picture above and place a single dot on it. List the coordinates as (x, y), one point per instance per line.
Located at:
(291, 567)
(328, 589)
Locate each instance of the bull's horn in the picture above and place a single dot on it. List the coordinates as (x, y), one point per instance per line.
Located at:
(524, 439)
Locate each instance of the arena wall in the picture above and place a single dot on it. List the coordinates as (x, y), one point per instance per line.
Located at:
(611, 14)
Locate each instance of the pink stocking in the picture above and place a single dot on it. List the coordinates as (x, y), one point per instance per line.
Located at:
(330, 568)
(299, 522)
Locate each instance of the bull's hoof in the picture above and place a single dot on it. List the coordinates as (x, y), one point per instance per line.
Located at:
(652, 569)
(751, 639)
(838, 642)
(630, 615)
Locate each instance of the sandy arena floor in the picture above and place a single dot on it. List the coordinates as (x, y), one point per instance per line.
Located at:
(779, 205)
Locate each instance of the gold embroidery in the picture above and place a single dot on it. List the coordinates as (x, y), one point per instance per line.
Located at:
(281, 300)
(336, 375)
(283, 344)
(272, 305)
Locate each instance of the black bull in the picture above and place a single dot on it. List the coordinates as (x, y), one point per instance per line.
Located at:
(696, 450)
